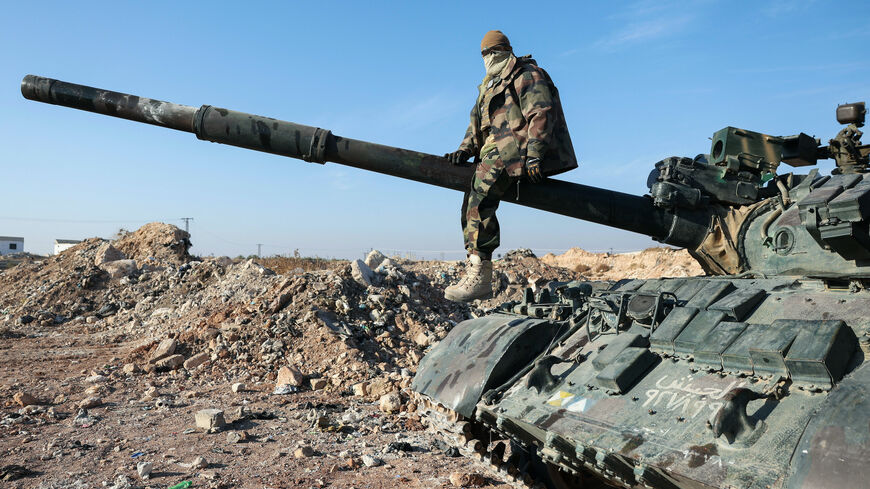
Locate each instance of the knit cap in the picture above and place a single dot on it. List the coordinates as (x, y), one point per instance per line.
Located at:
(494, 38)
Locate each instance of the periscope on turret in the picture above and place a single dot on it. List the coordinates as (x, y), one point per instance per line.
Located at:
(754, 376)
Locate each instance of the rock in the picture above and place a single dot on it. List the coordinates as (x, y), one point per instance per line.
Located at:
(119, 268)
(303, 452)
(162, 312)
(210, 420)
(415, 356)
(467, 479)
(96, 379)
(198, 463)
(196, 360)
(208, 474)
(370, 461)
(374, 258)
(238, 387)
(391, 402)
(285, 389)
(378, 387)
(24, 399)
(401, 325)
(289, 376)
(130, 368)
(31, 409)
(122, 482)
(422, 339)
(164, 349)
(169, 363)
(83, 419)
(107, 310)
(361, 389)
(90, 402)
(108, 253)
(237, 436)
(150, 394)
(318, 384)
(361, 273)
(144, 469)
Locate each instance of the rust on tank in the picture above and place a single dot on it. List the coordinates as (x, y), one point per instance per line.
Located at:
(551, 419)
(632, 441)
(701, 454)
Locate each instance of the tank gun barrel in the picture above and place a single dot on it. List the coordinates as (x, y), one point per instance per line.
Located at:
(313, 144)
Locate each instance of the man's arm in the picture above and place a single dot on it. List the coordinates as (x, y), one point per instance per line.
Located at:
(536, 104)
(469, 142)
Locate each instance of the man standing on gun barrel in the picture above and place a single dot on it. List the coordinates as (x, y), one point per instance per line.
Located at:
(517, 131)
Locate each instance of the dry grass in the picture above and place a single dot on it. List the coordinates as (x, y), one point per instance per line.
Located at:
(289, 264)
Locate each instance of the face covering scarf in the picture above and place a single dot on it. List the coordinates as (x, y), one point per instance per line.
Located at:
(496, 61)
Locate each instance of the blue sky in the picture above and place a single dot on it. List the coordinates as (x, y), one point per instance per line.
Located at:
(639, 81)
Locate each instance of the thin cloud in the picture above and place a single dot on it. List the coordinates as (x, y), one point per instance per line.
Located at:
(782, 7)
(340, 180)
(838, 90)
(830, 67)
(644, 31)
(419, 113)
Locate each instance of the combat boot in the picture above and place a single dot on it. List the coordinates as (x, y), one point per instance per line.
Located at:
(476, 284)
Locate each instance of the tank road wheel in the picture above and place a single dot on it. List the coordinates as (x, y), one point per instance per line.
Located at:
(559, 479)
(550, 475)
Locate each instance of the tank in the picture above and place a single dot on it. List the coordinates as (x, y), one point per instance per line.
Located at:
(753, 376)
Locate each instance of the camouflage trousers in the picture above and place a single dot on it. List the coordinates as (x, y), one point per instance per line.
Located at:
(479, 224)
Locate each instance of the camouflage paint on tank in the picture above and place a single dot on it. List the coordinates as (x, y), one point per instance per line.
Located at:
(481, 354)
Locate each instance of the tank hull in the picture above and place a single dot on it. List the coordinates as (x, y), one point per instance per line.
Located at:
(681, 410)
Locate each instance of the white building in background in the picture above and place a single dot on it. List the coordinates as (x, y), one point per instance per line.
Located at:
(10, 245)
(62, 244)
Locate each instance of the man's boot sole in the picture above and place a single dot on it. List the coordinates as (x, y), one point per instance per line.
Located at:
(451, 297)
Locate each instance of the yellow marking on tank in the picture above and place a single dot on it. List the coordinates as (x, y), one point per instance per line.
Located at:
(560, 399)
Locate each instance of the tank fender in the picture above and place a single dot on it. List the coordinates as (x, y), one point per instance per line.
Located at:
(835, 446)
(479, 354)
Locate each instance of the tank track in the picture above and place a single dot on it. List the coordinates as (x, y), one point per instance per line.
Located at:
(473, 440)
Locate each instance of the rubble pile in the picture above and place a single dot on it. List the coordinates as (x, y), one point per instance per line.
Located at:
(367, 322)
(156, 242)
(648, 263)
(160, 365)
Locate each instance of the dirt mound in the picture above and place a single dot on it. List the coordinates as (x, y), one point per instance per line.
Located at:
(156, 242)
(649, 263)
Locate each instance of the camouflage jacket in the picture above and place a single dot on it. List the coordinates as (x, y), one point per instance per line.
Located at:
(526, 118)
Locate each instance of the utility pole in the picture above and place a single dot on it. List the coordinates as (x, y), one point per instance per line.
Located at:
(259, 247)
(186, 223)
